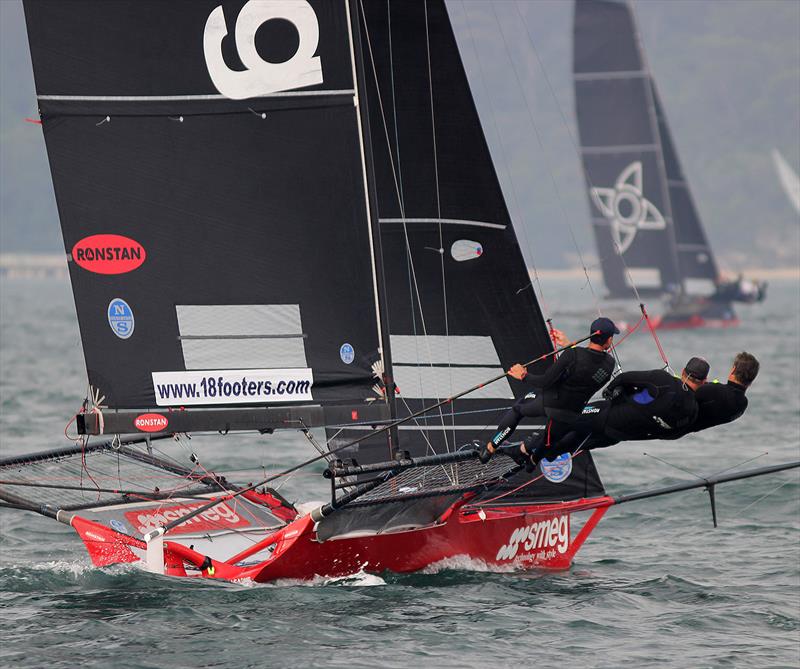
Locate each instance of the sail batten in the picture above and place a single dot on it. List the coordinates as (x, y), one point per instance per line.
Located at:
(189, 98)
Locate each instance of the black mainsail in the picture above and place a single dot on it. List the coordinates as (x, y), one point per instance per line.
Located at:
(219, 247)
(629, 161)
(460, 302)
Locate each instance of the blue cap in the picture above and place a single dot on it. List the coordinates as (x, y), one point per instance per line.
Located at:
(605, 326)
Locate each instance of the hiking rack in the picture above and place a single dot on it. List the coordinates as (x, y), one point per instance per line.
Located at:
(408, 478)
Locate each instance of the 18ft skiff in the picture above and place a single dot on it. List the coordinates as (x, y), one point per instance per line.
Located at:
(283, 214)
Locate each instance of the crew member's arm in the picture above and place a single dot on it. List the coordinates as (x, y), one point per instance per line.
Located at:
(550, 377)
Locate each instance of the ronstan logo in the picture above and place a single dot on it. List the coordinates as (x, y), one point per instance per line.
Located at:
(262, 77)
(151, 422)
(626, 208)
(108, 254)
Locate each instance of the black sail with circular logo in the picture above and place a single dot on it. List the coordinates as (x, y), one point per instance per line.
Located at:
(643, 213)
(622, 153)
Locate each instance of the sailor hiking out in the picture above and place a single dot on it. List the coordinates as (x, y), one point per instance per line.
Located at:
(561, 392)
(655, 405)
(721, 403)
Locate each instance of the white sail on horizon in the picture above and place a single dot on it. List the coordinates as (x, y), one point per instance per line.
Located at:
(788, 178)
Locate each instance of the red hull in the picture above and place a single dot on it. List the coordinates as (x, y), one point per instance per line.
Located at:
(520, 537)
(689, 323)
(695, 322)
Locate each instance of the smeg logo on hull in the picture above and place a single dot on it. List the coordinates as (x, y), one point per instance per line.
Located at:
(262, 77)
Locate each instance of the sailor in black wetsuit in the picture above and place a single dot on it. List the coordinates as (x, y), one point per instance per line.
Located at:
(650, 404)
(724, 402)
(562, 391)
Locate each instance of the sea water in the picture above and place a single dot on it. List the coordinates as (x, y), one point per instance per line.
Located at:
(654, 586)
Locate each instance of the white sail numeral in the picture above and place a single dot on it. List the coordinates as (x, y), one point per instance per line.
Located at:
(263, 77)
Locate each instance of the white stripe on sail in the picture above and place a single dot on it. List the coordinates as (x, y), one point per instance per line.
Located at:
(241, 336)
(187, 98)
(243, 353)
(445, 221)
(443, 350)
(238, 319)
(439, 382)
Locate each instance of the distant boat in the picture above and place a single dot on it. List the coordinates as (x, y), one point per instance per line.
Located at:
(647, 228)
(788, 178)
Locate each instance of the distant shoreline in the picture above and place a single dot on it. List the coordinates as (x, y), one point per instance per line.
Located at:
(751, 273)
(43, 265)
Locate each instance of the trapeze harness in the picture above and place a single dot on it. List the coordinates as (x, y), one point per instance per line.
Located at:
(649, 404)
(642, 405)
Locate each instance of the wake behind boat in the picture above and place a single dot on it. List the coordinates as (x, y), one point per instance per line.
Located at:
(303, 232)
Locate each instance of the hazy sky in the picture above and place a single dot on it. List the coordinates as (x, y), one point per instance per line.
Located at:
(728, 71)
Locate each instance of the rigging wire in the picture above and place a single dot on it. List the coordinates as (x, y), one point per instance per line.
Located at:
(397, 190)
(574, 144)
(554, 182)
(683, 469)
(517, 208)
(577, 152)
(439, 218)
(220, 481)
(763, 497)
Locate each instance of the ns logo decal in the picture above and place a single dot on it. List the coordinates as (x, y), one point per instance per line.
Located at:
(262, 77)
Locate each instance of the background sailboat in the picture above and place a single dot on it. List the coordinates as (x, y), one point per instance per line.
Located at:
(789, 179)
(647, 229)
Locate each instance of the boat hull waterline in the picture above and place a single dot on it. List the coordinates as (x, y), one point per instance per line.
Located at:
(504, 537)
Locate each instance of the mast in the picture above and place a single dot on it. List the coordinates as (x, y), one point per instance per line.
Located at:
(381, 301)
(460, 303)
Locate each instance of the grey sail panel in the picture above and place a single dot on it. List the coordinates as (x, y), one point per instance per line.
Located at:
(695, 257)
(621, 149)
(212, 203)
